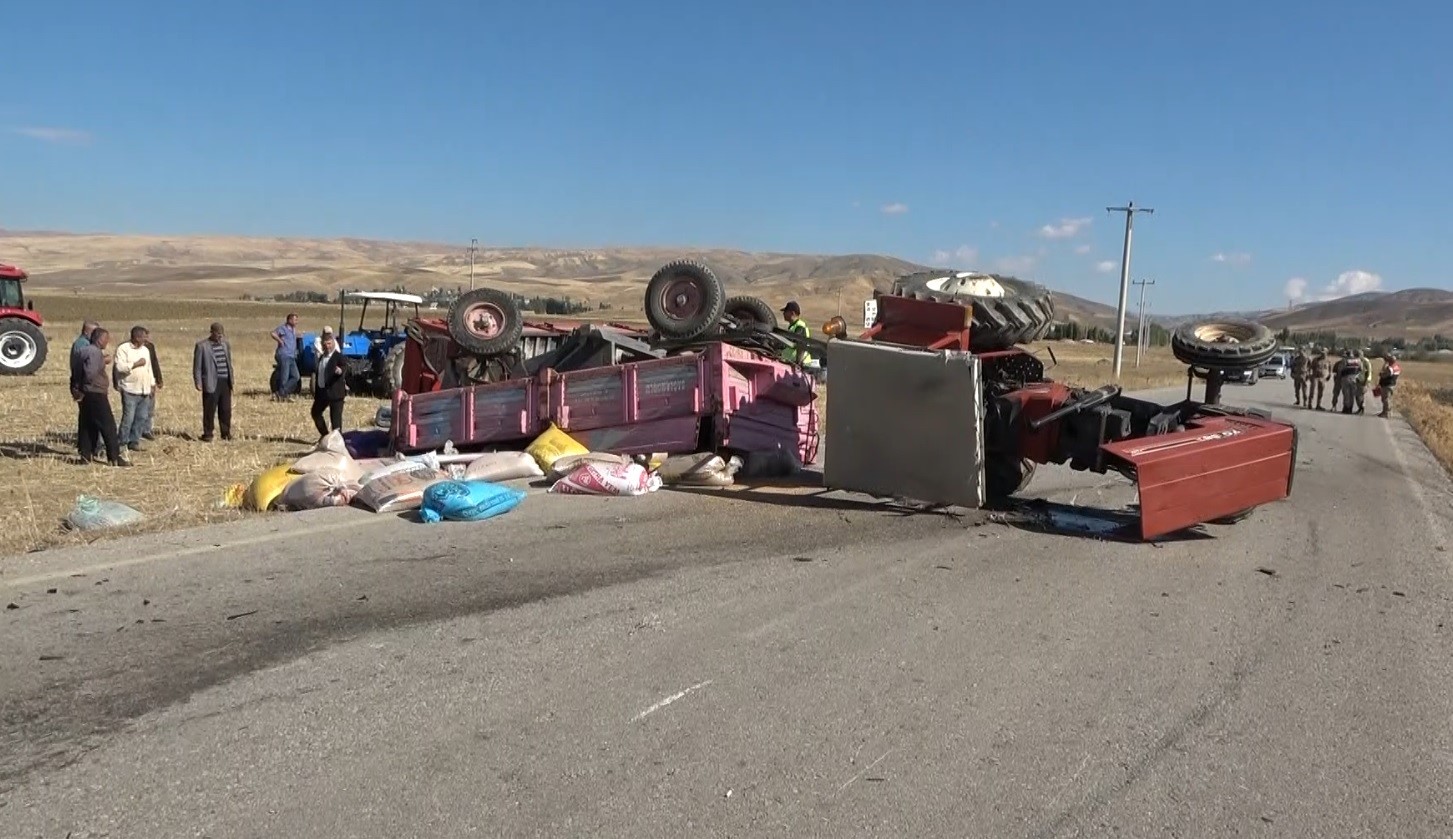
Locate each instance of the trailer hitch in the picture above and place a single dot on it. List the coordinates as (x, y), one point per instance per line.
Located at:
(1087, 400)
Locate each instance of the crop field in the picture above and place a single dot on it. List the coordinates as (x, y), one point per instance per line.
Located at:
(179, 481)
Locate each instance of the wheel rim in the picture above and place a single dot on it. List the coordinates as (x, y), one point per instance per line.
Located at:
(682, 298)
(484, 320)
(1222, 333)
(17, 349)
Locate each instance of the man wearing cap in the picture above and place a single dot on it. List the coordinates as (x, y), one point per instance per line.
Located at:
(793, 313)
(1387, 379)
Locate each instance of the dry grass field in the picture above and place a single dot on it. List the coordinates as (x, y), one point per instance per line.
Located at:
(179, 480)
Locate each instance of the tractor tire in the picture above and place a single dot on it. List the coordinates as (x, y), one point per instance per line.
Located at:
(998, 322)
(684, 300)
(1006, 476)
(1241, 515)
(751, 310)
(393, 369)
(1223, 344)
(486, 322)
(22, 347)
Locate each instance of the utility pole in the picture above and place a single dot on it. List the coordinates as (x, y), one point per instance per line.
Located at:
(473, 249)
(1129, 210)
(1140, 343)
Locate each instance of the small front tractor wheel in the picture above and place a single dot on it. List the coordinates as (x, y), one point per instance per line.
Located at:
(751, 310)
(1006, 475)
(486, 322)
(22, 347)
(684, 300)
(1223, 344)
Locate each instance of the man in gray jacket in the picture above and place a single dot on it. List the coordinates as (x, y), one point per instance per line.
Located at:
(92, 393)
(213, 374)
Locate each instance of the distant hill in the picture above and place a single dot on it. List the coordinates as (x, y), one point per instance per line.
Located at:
(229, 266)
(1412, 313)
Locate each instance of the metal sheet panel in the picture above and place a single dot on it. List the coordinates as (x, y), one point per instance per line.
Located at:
(905, 422)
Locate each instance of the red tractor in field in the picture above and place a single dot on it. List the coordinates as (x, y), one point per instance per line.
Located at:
(22, 341)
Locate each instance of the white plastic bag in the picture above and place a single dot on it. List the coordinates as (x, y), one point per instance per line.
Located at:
(603, 479)
(503, 466)
(570, 462)
(96, 514)
(702, 469)
(397, 491)
(323, 488)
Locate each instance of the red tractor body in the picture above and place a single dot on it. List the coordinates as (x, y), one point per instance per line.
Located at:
(22, 340)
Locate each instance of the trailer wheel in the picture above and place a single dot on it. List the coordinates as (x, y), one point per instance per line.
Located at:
(393, 369)
(998, 322)
(1223, 344)
(486, 322)
(684, 299)
(22, 347)
(751, 310)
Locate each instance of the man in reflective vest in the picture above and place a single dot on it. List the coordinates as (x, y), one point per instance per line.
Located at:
(1387, 379)
(793, 314)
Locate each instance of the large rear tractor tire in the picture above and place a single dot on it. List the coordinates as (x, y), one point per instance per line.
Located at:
(998, 322)
(22, 347)
(684, 300)
(751, 310)
(1223, 344)
(486, 322)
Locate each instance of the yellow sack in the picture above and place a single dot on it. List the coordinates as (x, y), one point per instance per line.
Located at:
(553, 445)
(267, 487)
(232, 496)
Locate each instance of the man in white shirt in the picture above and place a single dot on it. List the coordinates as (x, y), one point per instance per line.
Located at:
(132, 374)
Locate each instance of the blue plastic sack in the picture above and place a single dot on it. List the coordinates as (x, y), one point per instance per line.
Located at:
(96, 514)
(467, 501)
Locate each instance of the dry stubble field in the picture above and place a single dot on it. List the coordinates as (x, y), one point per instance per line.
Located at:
(179, 480)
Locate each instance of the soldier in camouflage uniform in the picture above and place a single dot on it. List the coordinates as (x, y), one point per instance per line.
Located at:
(1301, 366)
(1347, 376)
(1362, 380)
(1317, 383)
(1387, 380)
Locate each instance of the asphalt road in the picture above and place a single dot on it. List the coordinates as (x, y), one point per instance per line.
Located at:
(751, 664)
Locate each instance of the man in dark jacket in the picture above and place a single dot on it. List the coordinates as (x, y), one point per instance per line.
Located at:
(330, 386)
(82, 341)
(91, 388)
(213, 375)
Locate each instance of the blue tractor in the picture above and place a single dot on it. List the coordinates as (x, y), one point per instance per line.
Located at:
(375, 356)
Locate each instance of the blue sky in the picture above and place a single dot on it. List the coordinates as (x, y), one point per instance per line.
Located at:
(1295, 140)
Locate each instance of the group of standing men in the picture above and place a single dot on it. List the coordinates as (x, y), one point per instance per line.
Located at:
(1350, 375)
(136, 375)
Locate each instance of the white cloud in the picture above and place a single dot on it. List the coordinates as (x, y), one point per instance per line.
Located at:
(1016, 264)
(1235, 260)
(1067, 228)
(895, 209)
(1347, 284)
(963, 257)
(1105, 266)
(1083, 249)
(58, 136)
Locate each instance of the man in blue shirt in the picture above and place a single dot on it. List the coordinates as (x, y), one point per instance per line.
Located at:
(288, 377)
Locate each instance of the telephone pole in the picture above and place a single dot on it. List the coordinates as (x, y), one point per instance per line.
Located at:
(1140, 342)
(1129, 210)
(473, 249)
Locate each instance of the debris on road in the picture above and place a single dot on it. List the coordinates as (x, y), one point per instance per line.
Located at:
(92, 513)
(625, 479)
(399, 490)
(1270, 572)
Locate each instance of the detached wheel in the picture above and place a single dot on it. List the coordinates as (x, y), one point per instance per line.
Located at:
(751, 310)
(684, 300)
(22, 347)
(486, 322)
(1223, 344)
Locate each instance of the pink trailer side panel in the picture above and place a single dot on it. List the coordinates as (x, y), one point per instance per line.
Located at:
(471, 416)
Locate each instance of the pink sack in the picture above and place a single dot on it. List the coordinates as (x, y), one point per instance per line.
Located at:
(608, 479)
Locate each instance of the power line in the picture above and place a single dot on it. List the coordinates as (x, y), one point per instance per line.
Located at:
(1140, 342)
(1129, 210)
